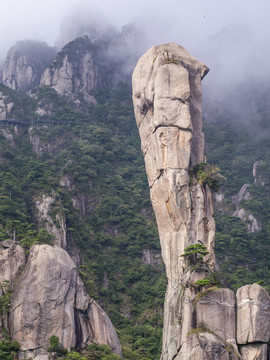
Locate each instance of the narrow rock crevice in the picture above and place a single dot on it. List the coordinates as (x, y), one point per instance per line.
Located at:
(171, 126)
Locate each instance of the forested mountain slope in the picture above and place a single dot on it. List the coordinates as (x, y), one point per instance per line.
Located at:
(86, 158)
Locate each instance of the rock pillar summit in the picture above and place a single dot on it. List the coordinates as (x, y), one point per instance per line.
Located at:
(199, 322)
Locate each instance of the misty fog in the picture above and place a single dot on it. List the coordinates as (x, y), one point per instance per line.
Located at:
(230, 37)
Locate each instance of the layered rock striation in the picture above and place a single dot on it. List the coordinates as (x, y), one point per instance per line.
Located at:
(199, 321)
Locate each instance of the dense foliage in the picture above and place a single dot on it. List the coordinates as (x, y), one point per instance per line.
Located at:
(92, 164)
(243, 257)
(89, 159)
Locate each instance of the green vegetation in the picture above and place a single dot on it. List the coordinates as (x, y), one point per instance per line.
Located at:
(8, 348)
(243, 257)
(56, 348)
(5, 291)
(99, 352)
(90, 160)
(212, 279)
(105, 204)
(195, 253)
(92, 352)
(206, 174)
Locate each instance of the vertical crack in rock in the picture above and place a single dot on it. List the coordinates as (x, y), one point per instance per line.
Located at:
(172, 141)
(199, 322)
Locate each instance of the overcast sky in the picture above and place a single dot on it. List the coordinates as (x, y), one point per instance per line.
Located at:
(181, 20)
(230, 36)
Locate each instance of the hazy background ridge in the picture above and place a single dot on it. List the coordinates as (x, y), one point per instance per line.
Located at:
(230, 37)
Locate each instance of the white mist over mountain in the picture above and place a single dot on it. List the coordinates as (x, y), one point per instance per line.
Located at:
(230, 37)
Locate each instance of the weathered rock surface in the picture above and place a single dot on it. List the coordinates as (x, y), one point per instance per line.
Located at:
(251, 222)
(243, 194)
(12, 259)
(245, 215)
(253, 314)
(206, 346)
(50, 299)
(25, 63)
(150, 257)
(258, 179)
(79, 68)
(167, 105)
(44, 206)
(254, 352)
(6, 106)
(214, 306)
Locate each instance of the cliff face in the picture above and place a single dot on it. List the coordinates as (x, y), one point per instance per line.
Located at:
(48, 295)
(199, 322)
(25, 63)
(42, 287)
(5, 106)
(78, 69)
(50, 299)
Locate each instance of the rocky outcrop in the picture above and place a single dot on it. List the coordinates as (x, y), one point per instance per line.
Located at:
(12, 259)
(150, 257)
(50, 299)
(25, 63)
(12, 262)
(245, 215)
(79, 68)
(37, 146)
(167, 105)
(254, 352)
(44, 206)
(6, 106)
(253, 321)
(258, 179)
(251, 222)
(199, 318)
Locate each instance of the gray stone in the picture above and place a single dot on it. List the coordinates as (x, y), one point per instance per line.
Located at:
(5, 106)
(249, 219)
(44, 205)
(25, 63)
(216, 310)
(50, 299)
(167, 105)
(254, 352)
(150, 257)
(76, 74)
(253, 314)
(206, 346)
(12, 259)
(258, 179)
(243, 194)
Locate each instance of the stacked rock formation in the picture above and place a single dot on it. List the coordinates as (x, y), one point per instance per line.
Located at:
(253, 322)
(199, 322)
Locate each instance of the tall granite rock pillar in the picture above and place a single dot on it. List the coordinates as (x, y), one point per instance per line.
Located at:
(167, 104)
